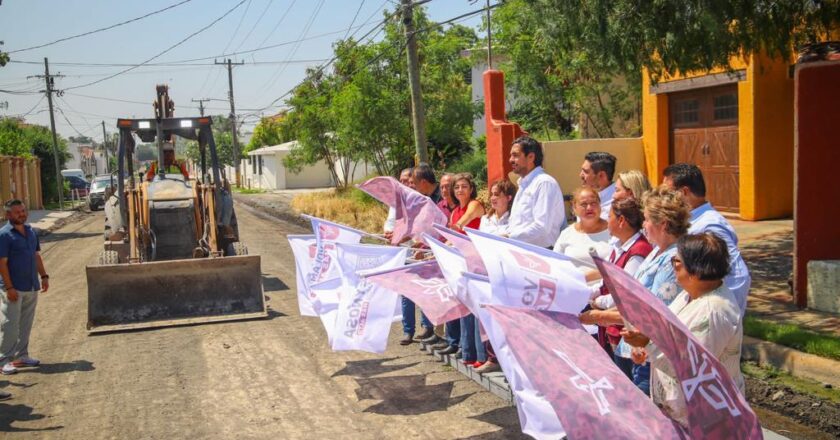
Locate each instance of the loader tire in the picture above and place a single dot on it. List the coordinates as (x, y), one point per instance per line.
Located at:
(238, 248)
(109, 257)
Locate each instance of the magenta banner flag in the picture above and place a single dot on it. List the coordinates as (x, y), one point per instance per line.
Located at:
(716, 408)
(591, 396)
(465, 246)
(424, 284)
(416, 213)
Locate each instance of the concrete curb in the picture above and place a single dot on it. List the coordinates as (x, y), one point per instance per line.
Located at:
(494, 382)
(793, 361)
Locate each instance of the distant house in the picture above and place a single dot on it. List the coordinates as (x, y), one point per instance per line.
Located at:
(264, 169)
(86, 158)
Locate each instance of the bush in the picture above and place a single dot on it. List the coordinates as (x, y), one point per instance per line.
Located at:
(474, 162)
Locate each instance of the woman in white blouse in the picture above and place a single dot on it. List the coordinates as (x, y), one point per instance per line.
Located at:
(590, 231)
(501, 197)
(709, 310)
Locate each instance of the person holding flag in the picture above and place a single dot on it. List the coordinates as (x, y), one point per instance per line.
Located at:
(710, 311)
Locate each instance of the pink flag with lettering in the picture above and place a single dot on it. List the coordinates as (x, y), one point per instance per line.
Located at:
(716, 408)
(327, 234)
(424, 284)
(465, 246)
(416, 213)
(590, 395)
(304, 250)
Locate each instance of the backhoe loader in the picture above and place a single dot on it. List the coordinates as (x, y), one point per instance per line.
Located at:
(172, 254)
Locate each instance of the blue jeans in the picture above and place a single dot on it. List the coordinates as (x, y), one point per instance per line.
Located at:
(472, 349)
(409, 318)
(641, 377)
(625, 365)
(453, 333)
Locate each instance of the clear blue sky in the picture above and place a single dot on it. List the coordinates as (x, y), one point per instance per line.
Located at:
(26, 23)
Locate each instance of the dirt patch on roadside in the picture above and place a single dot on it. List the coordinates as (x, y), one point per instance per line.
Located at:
(803, 408)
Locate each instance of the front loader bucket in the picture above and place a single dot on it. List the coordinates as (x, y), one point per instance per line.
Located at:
(166, 293)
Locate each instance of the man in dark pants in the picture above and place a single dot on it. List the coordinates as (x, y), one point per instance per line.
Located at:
(22, 275)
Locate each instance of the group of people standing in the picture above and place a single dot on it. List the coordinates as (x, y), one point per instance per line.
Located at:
(669, 238)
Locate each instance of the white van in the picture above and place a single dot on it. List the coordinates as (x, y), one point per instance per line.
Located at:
(73, 172)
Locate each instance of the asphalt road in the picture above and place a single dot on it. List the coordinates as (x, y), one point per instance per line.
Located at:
(271, 378)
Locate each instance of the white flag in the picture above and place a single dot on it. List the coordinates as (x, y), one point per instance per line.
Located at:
(365, 310)
(327, 234)
(325, 301)
(452, 264)
(525, 275)
(304, 249)
(536, 415)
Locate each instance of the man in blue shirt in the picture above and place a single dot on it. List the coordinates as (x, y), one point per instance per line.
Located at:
(22, 275)
(688, 179)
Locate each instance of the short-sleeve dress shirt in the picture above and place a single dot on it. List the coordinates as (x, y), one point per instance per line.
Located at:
(20, 251)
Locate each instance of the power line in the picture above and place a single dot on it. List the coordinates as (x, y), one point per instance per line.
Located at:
(23, 115)
(163, 64)
(295, 48)
(229, 11)
(274, 29)
(232, 37)
(352, 22)
(224, 55)
(259, 19)
(102, 29)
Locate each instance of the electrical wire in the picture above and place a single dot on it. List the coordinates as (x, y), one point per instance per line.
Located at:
(229, 11)
(295, 48)
(102, 29)
(361, 4)
(23, 115)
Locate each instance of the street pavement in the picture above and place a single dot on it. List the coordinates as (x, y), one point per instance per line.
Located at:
(270, 378)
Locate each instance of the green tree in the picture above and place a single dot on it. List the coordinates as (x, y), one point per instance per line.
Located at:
(4, 57)
(17, 139)
(270, 131)
(81, 139)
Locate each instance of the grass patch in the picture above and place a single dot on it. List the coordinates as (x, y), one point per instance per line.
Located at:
(801, 385)
(350, 207)
(794, 337)
(248, 190)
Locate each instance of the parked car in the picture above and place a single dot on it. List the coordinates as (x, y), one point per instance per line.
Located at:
(78, 185)
(73, 172)
(96, 197)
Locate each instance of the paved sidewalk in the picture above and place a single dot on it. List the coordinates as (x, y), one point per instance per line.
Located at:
(767, 247)
(45, 220)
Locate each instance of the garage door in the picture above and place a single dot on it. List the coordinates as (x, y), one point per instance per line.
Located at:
(704, 131)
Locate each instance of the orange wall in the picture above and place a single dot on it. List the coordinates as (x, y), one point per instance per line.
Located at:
(765, 135)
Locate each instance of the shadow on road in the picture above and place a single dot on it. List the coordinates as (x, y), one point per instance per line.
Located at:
(59, 236)
(64, 367)
(371, 367)
(770, 260)
(406, 395)
(273, 284)
(506, 419)
(10, 414)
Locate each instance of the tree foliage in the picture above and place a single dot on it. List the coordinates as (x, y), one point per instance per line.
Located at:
(269, 131)
(359, 109)
(224, 143)
(24, 140)
(81, 140)
(4, 57)
(581, 61)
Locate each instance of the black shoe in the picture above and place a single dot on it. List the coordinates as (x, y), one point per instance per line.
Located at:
(434, 339)
(440, 346)
(427, 333)
(406, 339)
(459, 355)
(448, 350)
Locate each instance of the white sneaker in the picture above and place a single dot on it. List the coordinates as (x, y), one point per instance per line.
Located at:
(8, 369)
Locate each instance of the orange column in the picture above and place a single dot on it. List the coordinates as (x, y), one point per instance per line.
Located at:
(500, 132)
(816, 234)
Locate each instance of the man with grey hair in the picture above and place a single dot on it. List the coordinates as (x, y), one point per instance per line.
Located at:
(22, 276)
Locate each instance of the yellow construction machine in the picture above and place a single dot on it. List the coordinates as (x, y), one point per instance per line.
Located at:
(172, 253)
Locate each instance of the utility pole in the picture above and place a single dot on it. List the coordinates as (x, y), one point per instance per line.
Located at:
(105, 147)
(235, 148)
(48, 80)
(418, 115)
(489, 45)
(201, 104)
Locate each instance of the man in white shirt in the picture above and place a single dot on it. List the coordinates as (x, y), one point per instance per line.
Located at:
(597, 172)
(688, 179)
(537, 215)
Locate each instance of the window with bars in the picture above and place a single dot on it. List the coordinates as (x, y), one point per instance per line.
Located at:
(726, 107)
(687, 111)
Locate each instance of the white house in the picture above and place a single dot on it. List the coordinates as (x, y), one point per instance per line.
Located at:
(476, 80)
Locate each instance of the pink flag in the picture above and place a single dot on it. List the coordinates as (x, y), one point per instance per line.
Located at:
(465, 246)
(416, 213)
(590, 395)
(716, 408)
(424, 284)
(536, 416)
(304, 250)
